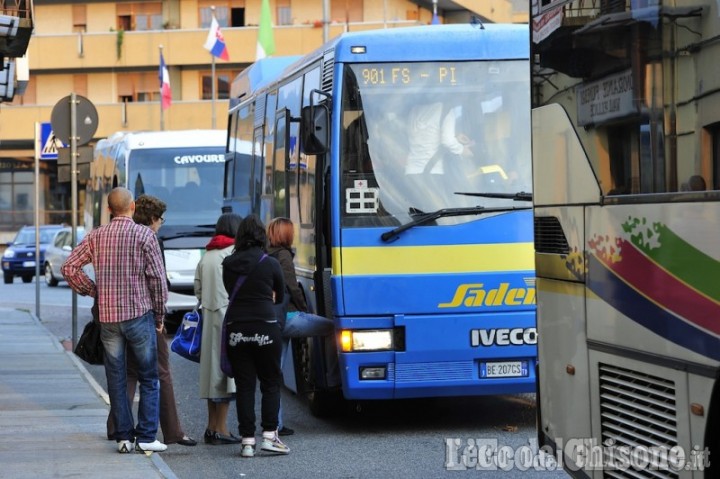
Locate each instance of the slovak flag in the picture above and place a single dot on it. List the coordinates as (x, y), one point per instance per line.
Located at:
(165, 92)
(215, 42)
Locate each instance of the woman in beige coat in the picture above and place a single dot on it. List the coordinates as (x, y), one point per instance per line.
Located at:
(217, 388)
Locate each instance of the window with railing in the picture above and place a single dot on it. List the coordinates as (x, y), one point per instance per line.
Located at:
(284, 12)
(138, 86)
(223, 80)
(139, 16)
(229, 13)
(79, 18)
(16, 8)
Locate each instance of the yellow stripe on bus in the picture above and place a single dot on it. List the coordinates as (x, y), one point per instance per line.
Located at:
(380, 260)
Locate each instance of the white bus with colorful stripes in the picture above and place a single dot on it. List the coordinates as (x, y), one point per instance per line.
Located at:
(626, 165)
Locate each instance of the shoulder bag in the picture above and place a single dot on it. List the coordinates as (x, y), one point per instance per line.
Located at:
(89, 347)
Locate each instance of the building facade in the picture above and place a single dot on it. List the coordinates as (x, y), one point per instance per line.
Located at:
(108, 52)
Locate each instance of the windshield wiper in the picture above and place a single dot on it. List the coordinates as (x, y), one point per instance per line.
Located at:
(426, 218)
(519, 196)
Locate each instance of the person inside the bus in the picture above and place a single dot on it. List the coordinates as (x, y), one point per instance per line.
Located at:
(435, 129)
(433, 139)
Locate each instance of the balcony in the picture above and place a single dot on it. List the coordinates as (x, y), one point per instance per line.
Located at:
(17, 122)
(137, 49)
(97, 52)
(16, 25)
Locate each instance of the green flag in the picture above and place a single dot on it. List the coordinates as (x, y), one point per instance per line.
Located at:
(265, 42)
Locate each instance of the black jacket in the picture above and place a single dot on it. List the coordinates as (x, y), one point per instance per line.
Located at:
(285, 257)
(254, 299)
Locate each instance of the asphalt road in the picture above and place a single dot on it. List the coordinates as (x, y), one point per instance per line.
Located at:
(402, 439)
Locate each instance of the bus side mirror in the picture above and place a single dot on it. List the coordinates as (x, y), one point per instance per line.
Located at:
(314, 128)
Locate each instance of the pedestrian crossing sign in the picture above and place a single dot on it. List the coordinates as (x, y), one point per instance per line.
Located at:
(49, 143)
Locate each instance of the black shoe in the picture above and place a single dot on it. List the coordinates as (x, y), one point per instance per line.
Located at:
(221, 439)
(209, 435)
(285, 431)
(187, 441)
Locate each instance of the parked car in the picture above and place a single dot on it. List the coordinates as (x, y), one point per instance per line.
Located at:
(19, 259)
(58, 252)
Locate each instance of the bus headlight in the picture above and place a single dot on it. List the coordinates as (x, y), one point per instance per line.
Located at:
(367, 340)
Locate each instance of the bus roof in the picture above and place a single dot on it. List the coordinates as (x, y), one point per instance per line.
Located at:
(258, 75)
(436, 43)
(492, 41)
(162, 139)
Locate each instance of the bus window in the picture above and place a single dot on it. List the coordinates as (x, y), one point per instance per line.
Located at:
(230, 163)
(290, 97)
(279, 175)
(407, 148)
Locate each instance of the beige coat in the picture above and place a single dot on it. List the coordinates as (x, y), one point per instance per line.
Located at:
(210, 290)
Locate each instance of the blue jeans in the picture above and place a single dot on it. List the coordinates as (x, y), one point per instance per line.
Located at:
(303, 325)
(285, 342)
(139, 336)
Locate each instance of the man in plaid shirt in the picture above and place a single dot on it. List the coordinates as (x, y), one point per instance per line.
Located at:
(131, 292)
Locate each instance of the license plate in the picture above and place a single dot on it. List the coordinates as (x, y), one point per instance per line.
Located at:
(28, 264)
(504, 369)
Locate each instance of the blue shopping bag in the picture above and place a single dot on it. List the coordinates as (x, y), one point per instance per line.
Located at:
(188, 336)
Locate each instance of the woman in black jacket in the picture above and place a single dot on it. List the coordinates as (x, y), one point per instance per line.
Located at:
(254, 283)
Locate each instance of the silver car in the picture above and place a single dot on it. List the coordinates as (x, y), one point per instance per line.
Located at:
(58, 252)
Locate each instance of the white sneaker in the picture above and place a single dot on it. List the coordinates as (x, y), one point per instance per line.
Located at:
(125, 447)
(155, 446)
(272, 443)
(248, 447)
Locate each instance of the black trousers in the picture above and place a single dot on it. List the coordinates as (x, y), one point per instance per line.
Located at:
(254, 350)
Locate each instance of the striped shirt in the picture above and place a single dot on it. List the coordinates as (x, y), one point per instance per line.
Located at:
(129, 272)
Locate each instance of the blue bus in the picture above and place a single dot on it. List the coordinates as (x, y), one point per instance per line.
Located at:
(402, 157)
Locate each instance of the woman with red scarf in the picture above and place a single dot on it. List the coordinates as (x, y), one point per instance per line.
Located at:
(217, 388)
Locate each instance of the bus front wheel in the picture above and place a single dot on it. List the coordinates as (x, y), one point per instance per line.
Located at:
(307, 358)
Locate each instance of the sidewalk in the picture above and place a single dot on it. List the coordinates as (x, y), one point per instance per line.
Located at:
(52, 412)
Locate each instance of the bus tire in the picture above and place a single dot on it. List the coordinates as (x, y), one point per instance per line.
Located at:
(321, 402)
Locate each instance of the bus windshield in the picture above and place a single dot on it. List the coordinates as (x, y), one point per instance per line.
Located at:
(188, 180)
(416, 134)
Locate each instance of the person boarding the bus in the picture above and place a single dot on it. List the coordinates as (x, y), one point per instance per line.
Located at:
(294, 318)
(131, 292)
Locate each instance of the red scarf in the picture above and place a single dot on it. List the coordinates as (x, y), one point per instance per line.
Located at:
(220, 242)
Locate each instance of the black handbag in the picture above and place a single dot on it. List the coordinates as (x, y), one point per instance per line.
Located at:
(89, 347)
